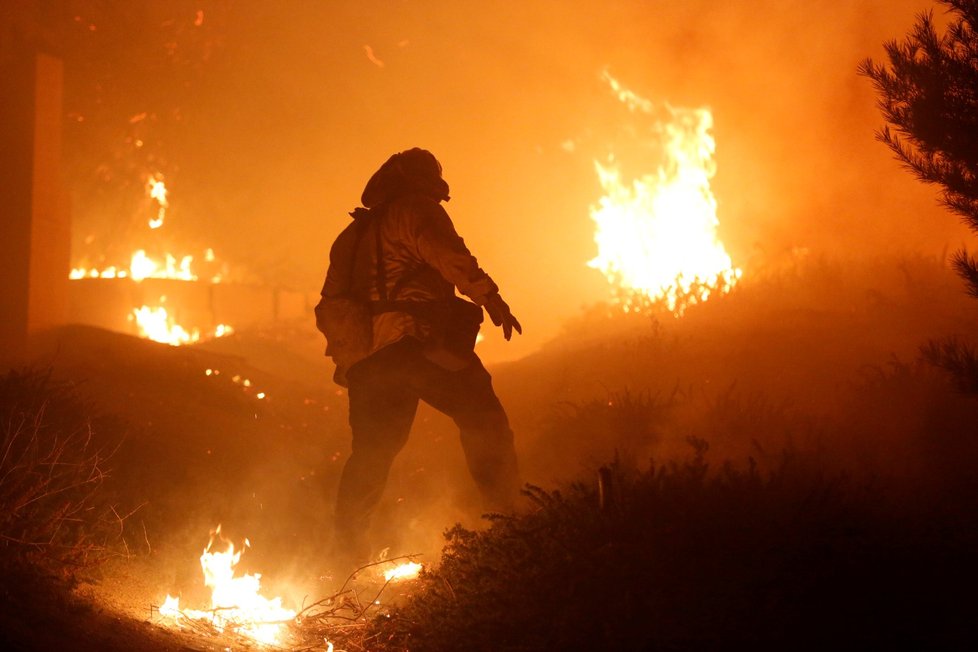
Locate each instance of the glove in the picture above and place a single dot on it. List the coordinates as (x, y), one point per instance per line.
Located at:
(501, 316)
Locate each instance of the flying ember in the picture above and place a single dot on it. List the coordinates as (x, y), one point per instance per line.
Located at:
(656, 233)
(157, 191)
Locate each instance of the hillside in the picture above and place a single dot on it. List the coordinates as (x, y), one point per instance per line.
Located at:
(819, 362)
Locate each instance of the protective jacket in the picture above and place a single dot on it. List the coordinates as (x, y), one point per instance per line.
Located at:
(399, 252)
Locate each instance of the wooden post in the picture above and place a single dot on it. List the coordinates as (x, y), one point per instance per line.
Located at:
(35, 232)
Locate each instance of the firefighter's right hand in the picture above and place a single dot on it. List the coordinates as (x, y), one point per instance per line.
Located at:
(501, 316)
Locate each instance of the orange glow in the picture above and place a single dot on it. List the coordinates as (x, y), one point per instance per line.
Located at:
(406, 571)
(156, 324)
(236, 602)
(143, 266)
(656, 235)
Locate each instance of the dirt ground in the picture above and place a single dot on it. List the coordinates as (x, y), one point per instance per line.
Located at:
(248, 433)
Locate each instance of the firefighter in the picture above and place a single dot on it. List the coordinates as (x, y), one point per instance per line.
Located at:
(399, 334)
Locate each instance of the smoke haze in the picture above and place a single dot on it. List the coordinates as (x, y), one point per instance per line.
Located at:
(267, 118)
(298, 103)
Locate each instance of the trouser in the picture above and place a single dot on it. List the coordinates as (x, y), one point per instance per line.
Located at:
(384, 390)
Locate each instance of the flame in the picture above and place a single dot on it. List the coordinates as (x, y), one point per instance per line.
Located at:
(406, 571)
(156, 324)
(236, 603)
(656, 235)
(157, 190)
(143, 266)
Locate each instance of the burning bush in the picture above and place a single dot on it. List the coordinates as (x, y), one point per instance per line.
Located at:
(51, 470)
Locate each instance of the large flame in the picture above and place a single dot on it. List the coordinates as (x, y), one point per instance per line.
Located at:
(236, 602)
(656, 235)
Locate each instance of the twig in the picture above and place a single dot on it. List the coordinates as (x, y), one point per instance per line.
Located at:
(377, 563)
(146, 537)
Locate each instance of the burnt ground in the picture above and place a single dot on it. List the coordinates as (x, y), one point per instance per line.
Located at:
(248, 432)
(821, 359)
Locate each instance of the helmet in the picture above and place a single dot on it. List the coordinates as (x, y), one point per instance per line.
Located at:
(413, 170)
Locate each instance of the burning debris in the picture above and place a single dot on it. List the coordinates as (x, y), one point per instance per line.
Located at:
(156, 322)
(656, 235)
(239, 610)
(237, 606)
(143, 266)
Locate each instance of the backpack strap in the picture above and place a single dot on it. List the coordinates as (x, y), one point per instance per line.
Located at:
(381, 270)
(365, 218)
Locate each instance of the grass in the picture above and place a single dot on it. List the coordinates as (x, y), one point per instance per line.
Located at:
(689, 556)
(848, 516)
(52, 514)
(855, 525)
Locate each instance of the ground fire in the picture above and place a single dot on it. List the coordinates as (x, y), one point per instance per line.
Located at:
(236, 602)
(238, 608)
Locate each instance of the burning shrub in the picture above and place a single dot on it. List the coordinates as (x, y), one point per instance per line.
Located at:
(50, 474)
(681, 556)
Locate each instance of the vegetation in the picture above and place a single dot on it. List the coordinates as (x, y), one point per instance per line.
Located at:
(929, 98)
(52, 513)
(856, 529)
(848, 516)
(681, 554)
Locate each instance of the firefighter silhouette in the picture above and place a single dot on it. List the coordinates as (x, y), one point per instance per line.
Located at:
(399, 334)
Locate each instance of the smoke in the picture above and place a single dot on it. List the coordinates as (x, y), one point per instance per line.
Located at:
(288, 112)
(270, 125)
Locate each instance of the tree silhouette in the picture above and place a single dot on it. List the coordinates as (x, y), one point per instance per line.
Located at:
(929, 98)
(928, 92)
